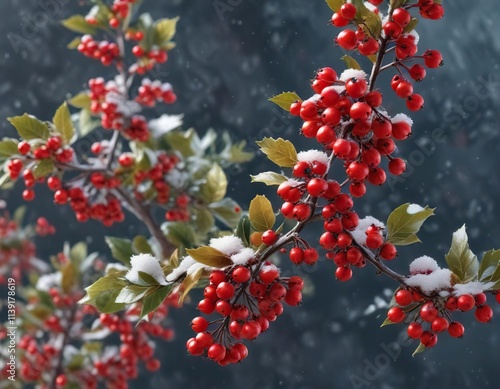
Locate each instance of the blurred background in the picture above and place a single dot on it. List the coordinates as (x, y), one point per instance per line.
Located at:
(231, 56)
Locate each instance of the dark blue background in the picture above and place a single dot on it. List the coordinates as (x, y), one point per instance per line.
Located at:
(223, 70)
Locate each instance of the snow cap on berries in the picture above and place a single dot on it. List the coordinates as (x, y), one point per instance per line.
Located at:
(145, 263)
(428, 276)
(243, 256)
(415, 35)
(473, 288)
(359, 234)
(228, 245)
(423, 265)
(401, 117)
(352, 73)
(313, 156)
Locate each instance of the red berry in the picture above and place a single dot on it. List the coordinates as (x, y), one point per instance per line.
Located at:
(317, 187)
(374, 241)
(216, 352)
(403, 297)
(428, 339)
(439, 324)
(310, 256)
(401, 17)
(343, 274)
(241, 274)
(269, 237)
(415, 102)
(433, 59)
(356, 88)
(428, 312)
(456, 329)
(23, 147)
(466, 302)
(392, 30)
(199, 324)
(347, 39)
(348, 11)
(397, 166)
(396, 315)
(388, 251)
(296, 255)
(414, 330)
(483, 314)
(225, 290)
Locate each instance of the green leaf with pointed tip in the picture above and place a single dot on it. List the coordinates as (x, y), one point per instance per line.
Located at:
(43, 168)
(29, 127)
(102, 294)
(210, 257)
(261, 214)
(164, 31)
(489, 269)
(131, 294)
(8, 148)
(204, 220)
(121, 249)
(335, 4)
(81, 100)
(74, 43)
(86, 123)
(64, 124)
(285, 100)
(227, 211)
(189, 283)
(402, 227)
(369, 21)
(421, 348)
(19, 215)
(77, 23)
(460, 259)
(411, 26)
(180, 234)
(155, 298)
(243, 230)
(269, 178)
(351, 63)
(215, 187)
(78, 253)
(140, 245)
(281, 152)
(148, 278)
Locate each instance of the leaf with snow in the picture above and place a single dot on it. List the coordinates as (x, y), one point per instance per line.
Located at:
(489, 269)
(460, 259)
(261, 214)
(402, 227)
(281, 152)
(269, 178)
(351, 63)
(285, 99)
(102, 294)
(209, 256)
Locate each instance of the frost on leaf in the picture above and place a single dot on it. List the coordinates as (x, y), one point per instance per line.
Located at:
(148, 264)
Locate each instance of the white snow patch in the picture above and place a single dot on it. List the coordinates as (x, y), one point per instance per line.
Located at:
(437, 280)
(312, 156)
(314, 98)
(414, 208)
(472, 288)
(165, 124)
(423, 264)
(116, 267)
(294, 183)
(370, 6)
(352, 73)
(359, 234)
(48, 281)
(414, 33)
(338, 88)
(126, 107)
(401, 117)
(183, 267)
(145, 263)
(243, 256)
(228, 245)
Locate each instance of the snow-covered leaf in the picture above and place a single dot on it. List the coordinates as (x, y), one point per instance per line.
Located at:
(460, 259)
(405, 222)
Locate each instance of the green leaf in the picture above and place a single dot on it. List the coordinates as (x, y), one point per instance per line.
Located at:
(121, 249)
(261, 214)
(204, 220)
(154, 299)
(147, 278)
(244, 230)
(210, 257)
(189, 283)
(19, 215)
(8, 147)
(86, 123)
(351, 63)
(460, 259)
(179, 234)
(140, 245)
(164, 30)
(237, 153)
(402, 227)
(5, 181)
(281, 152)
(102, 294)
(78, 253)
(81, 100)
(64, 124)
(335, 4)
(181, 141)
(75, 363)
(269, 178)
(369, 21)
(489, 269)
(77, 23)
(215, 187)
(411, 26)
(68, 277)
(43, 168)
(419, 349)
(29, 127)
(285, 100)
(131, 294)
(396, 3)
(74, 43)
(227, 211)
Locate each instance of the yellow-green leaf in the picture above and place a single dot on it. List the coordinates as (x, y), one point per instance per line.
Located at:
(411, 26)
(215, 187)
(261, 214)
(189, 283)
(81, 100)
(285, 99)
(489, 269)
(29, 127)
(121, 249)
(140, 245)
(43, 168)
(369, 21)
(77, 23)
(204, 221)
(102, 294)
(269, 178)
(281, 152)
(351, 63)
(74, 43)
(68, 277)
(210, 257)
(335, 4)
(165, 30)
(64, 124)
(419, 349)
(131, 294)
(8, 147)
(402, 227)
(460, 259)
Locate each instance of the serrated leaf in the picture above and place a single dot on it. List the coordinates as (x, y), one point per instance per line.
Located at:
(29, 127)
(335, 4)
(102, 294)
(74, 43)
(215, 187)
(244, 230)
(154, 299)
(269, 178)
(189, 283)
(131, 294)
(460, 259)
(281, 152)
(351, 63)
(43, 168)
(285, 100)
(411, 26)
(210, 257)
(402, 227)
(64, 124)
(140, 245)
(121, 249)
(81, 100)
(77, 23)
(8, 147)
(227, 211)
(261, 214)
(419, 349)
(164, 30)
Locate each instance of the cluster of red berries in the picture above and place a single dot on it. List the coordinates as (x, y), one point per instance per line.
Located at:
(43, 227)
(427, 317)
(248, 300)
(104, 51)
(152, 91)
